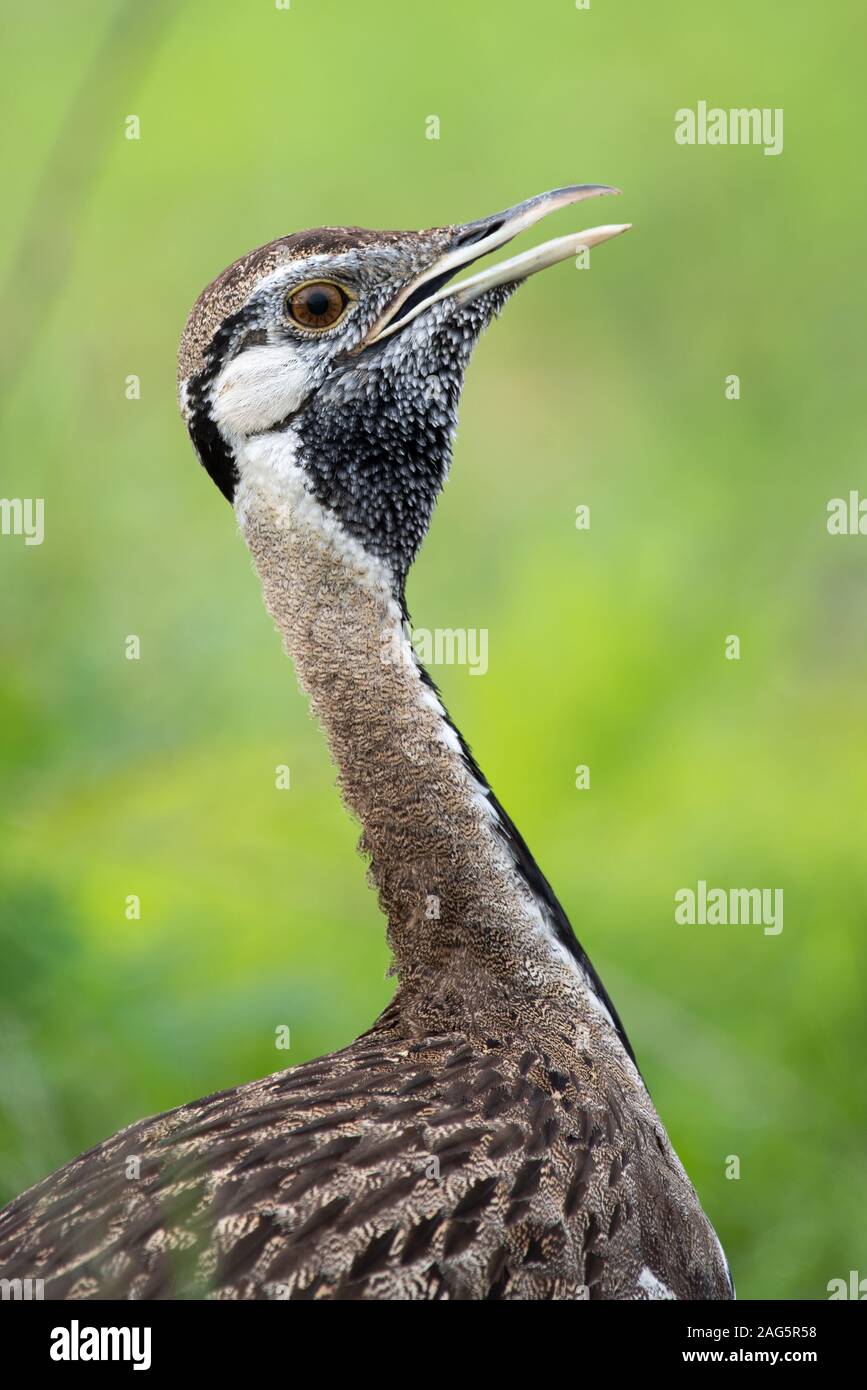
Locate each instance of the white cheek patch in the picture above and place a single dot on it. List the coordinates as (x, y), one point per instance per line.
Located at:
(258, 389)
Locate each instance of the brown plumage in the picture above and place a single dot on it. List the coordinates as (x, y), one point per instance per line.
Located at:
(449, 1167)
(490, 1137)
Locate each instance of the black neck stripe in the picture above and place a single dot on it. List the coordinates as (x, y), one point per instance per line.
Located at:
(536, 880)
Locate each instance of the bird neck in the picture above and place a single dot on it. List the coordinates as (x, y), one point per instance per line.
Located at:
(464, 921)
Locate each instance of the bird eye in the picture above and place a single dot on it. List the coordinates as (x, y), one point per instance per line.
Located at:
(317, 305)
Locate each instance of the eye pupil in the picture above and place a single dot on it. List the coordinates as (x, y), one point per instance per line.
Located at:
(317, 303)
(316, 306)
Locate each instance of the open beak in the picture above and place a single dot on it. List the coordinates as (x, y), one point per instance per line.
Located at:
(476, 239)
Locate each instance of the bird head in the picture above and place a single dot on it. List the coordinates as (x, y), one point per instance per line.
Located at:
(336, 357)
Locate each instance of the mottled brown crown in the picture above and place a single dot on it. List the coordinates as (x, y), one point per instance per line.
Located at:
(225, 295)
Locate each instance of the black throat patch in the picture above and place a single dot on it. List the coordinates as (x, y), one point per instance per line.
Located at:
(375, 441)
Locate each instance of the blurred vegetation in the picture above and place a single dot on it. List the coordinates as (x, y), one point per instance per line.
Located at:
(156, 777)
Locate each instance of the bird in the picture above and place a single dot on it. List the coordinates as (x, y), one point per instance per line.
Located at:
(490, 1136)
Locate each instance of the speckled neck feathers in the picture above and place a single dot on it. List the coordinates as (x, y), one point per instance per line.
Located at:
(467, 932)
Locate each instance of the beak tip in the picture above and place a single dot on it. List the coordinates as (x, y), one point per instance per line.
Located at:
(596, 190)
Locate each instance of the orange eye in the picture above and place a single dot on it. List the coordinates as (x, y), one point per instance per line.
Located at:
(317, 305)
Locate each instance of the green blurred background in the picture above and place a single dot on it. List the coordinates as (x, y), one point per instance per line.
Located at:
(156, 777)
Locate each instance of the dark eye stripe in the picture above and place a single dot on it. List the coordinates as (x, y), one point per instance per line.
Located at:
(255, 338)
